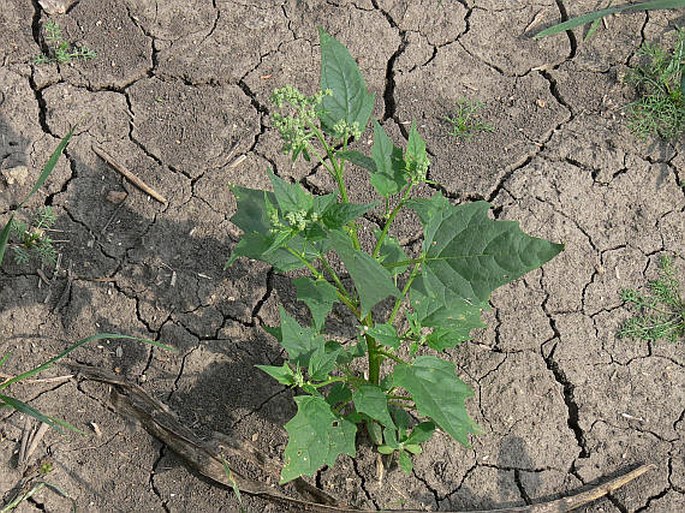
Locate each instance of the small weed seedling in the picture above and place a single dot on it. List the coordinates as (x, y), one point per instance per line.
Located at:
(660, 111)
(661, 312)
(59, 50)
(465, 121)
(30, 238)
(391, 380)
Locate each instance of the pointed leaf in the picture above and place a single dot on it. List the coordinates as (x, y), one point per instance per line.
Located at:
(389, 177)
(316, 436)
(319, 296)
(386, 334)
(596, 15)
(439, 394)
(372, 281)
(349, 100)
(372, 401)
(415, 156)
(358, 159)
(4, 238)
(283, 374)
(340, 214)
(451, 317)
(299, 341)
(469, 255)
(291, 197)
(49, 165)
(323, 361)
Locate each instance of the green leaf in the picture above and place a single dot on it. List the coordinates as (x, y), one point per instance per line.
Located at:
(49, 166)
(349, 100)
(257, 241)
(22, 407)
(415, 156)
(386, 334)
(421, 433)
(283, 374)
(439, 394)
(339, 393)
(469, 255)
(592, 16)
(316, 436)
(319, 296)
(338, 215)
(300, 342)
(358, 159)
(372, 401)
(405, 463)
(391, 253)
(389, 176)
(372, 281)
(291, 197)
(323, 361)
(452, 318)
(4, 238)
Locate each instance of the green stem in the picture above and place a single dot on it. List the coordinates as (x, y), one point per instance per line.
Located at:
(405, 290)
(393, 357)
(343, 295)
(375, 360)
(391, 218)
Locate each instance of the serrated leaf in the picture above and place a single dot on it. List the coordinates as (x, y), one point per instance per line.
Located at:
(439, 394)
(358, 159)
(283, 374)
(316, 437)
(323, 361)
(291, 197)
(257, 240)
(338, 215)
(300, 342)
(372, 401)
(452, 318)
(469, 255)
(372, 281)
(389, 177)
(349, 99)
(319, 296)
(386, 334)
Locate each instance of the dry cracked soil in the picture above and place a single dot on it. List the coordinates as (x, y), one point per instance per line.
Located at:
(180, 89)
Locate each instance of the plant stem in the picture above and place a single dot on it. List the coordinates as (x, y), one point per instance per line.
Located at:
(391, 218)
(405, 290)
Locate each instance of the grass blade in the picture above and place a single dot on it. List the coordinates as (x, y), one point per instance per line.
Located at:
(73, 347)
(4, 237)
(596, 15)
(49, 166)
(22, 407)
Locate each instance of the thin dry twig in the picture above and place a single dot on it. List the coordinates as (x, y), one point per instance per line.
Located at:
(128, 175)
(211, 457)
(56, 379)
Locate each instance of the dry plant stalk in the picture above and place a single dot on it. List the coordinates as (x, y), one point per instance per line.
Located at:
(211, 457)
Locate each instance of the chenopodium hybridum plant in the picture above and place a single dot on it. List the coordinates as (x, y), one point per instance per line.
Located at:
(391, 380)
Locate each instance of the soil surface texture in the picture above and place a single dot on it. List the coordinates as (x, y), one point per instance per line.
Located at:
(180, 89)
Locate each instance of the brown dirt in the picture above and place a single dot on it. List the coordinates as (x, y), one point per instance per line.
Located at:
(180, 88)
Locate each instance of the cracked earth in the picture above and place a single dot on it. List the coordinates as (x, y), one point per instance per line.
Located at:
(179, 90)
